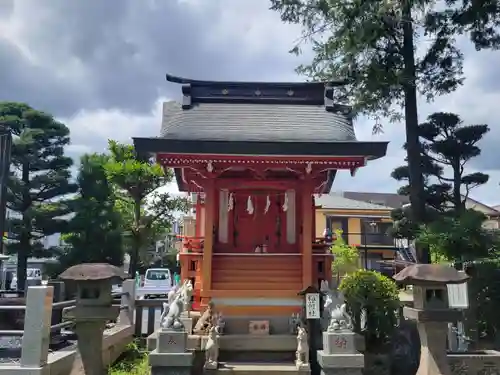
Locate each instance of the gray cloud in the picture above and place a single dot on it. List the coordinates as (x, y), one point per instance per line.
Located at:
(121, 53)
(100, 67)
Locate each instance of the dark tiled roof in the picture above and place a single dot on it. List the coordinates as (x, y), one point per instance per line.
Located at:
(336, 201)
(386, 199)
(255, 122)
(258, 118)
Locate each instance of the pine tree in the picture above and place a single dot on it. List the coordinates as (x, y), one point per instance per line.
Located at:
(373, 43)
(38, 183)
(95, 234)
(447, 146)
(449, 143)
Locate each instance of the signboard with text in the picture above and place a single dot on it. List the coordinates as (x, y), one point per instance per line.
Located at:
(312, 306)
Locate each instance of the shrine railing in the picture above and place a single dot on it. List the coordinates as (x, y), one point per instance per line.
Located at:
(358, 239)
(193, 244)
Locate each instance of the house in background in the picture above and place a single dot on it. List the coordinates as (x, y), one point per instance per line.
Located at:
(364, 225)
(394, 200)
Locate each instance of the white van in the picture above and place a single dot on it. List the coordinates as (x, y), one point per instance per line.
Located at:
(33, 277)
(157, 282)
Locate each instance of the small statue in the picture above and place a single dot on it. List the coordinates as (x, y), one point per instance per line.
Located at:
(212, 349)
(170, 317)
(206, 321)
(220, 324)
(302, 353)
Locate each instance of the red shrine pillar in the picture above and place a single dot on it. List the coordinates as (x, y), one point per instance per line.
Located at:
(209, 237)
(307, 234)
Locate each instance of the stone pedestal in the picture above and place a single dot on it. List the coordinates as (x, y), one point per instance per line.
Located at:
(171, 355)
(432, 328)
(187, 321)
(339, 355)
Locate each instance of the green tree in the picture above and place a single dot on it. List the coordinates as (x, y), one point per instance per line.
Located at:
(95, 232)
(373, 43)
(345, 256)
(38, 183)
(136, 180)
(460, 237)
(156, 230)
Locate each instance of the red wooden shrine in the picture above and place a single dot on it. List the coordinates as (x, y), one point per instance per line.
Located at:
(256, 153)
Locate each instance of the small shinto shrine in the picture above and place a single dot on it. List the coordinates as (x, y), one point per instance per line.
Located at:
(255, 153)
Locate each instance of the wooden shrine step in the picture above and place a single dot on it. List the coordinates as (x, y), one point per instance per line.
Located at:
(253, 272)
(257, 284)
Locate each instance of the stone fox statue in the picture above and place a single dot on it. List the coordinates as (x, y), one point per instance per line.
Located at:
(170, 317)
(302, 353)
(212, 349)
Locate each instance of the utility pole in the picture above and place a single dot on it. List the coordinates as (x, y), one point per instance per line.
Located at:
(5, 153)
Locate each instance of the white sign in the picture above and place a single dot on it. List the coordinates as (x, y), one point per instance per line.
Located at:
(312, 306)
(458, 296)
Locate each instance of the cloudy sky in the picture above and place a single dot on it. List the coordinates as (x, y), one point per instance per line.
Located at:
(100, 67)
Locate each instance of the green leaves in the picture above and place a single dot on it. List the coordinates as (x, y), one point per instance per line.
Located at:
(132, 176)
(460, 237)
(363, 40)
(346, 257)
(136, 182)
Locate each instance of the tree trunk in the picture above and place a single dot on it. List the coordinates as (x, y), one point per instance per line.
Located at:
(25, 237)
(457, 183)
(136, 240)
(417, 193)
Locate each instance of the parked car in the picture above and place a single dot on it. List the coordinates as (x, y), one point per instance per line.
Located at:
(157, 282)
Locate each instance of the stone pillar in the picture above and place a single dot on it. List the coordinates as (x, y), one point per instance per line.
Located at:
(432, 312)
(340, 355)
(187, 321)
(57, 314)
(37, 322)
(126, 317)
(171, 356)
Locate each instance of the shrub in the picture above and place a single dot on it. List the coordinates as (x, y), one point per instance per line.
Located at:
(345, 256)
(484, 300)
(374, 296)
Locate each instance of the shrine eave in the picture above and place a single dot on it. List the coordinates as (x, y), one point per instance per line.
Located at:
(331, 174)
(155, 145)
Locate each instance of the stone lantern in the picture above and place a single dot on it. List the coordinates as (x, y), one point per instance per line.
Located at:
(431, 311)
(93, 309)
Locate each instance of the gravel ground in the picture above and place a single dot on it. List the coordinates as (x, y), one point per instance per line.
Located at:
(10, 347)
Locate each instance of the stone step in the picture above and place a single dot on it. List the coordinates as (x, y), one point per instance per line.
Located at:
(249, 368)
(256, 356)
(275, 343)
(240, 324)
(238, 343)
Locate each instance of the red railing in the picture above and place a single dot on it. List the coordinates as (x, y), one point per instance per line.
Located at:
(192, 244)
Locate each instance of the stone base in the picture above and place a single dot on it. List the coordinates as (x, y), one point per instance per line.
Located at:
(170, 370)
(342, 342)
(211, 365)
(187, 323)
(172, 360)
(171, 341)
(301, 366)
(341, 364)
